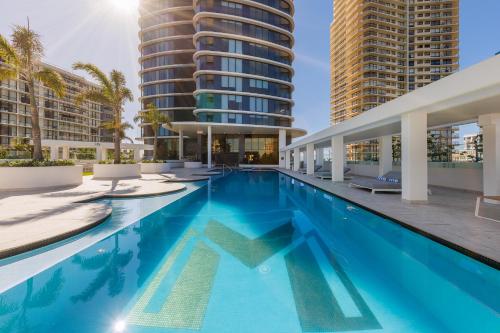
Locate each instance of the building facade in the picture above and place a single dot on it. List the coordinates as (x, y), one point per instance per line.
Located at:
(60, 118)
(382, 49)
(222, 71)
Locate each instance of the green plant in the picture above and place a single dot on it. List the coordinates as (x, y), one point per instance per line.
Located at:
(112, 92)
(121, 162)
(36, 163)
(3, 153)
(23, 57)
(154, 118)
(153, 161)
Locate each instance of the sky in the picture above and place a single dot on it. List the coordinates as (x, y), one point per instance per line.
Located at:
(105, 32)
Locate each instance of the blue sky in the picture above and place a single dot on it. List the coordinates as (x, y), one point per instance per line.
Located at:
(479, 40)
(97, 31)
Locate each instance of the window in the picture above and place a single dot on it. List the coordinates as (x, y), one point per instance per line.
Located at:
(236, 83)
(235, 46)
(231, 65)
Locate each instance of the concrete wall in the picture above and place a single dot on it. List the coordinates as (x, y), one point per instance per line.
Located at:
(110, 171)
(40, 177)
(154, 168)
(466, 177)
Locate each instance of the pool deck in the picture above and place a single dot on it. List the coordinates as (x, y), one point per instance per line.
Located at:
(32, 219)
(448, 217)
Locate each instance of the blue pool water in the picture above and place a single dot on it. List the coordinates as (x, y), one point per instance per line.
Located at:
(257, 252)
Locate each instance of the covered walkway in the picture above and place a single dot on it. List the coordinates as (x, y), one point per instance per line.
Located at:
(472, 95)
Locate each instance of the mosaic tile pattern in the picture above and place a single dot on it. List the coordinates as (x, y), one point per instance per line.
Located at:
(186, 305)
(251, 252)
(317, 307)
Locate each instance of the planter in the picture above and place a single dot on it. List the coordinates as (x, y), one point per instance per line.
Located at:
(192, 165)
(17, 178)
(175, 164)
(154, 167)
(115, 171)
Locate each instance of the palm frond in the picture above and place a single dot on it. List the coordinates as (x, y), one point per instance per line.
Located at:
(109, 125)
(96, 73)
(7, 73)
(118, 79)
(52, 79)
(127, 94)
(27, 43)
(93, 95)
(125, 126)
(8, 52)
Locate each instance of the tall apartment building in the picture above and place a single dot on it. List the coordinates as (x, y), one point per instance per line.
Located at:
(382, 49)
(222, 71)
(60, 118)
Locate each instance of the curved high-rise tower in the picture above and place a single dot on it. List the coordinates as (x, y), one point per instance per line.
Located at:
(167, 66)
(241, 79)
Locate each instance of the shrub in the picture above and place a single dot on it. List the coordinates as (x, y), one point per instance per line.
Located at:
(32, 163)
(121, 162)
(153, 161)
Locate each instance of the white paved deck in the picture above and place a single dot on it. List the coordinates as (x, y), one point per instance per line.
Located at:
(31, 219)
(448, 216)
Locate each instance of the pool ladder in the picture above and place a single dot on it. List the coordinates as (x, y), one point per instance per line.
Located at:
(224, 166)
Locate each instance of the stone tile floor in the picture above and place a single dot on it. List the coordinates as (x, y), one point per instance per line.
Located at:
(31, 219)
(449, 215)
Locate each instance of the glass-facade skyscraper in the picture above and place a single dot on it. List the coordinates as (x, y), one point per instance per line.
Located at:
(222, 71)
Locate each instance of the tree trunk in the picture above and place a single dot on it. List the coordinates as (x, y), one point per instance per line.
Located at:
(155, 146)
(35, 123)
(117, 148)
(117, 137)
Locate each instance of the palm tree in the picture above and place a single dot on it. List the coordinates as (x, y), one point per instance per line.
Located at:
(155, 118)
(112, 92)
(23, 60)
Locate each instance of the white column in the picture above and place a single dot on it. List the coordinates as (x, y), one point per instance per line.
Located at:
(209, 146)
(320, 156)
(98, 154)
(54, 153)
(288, 159)
(65, 153)
(104, 154)
(281, 147)
(384, 154)
(181, 145)
(414, 156)
(338, 158)
(310, 158)
(137, 154)
(490, 124)
(296, 159)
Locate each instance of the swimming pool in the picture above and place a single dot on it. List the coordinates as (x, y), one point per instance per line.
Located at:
(257, 252)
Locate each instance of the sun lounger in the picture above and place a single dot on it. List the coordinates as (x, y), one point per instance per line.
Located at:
(390, 182)
(328, 174)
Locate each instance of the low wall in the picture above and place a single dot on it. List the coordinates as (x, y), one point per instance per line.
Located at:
(192, 165)
(464, 177)
(175, 164)
(151, 168)
(112, 171)
(15, 178)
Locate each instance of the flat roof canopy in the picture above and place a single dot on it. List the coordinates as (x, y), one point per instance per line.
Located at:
(85, 144)
(457, 99)
(194, 128)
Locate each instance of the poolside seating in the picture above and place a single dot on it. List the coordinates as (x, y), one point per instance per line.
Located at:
(304, 170)
(390, 182)
(328, 174)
